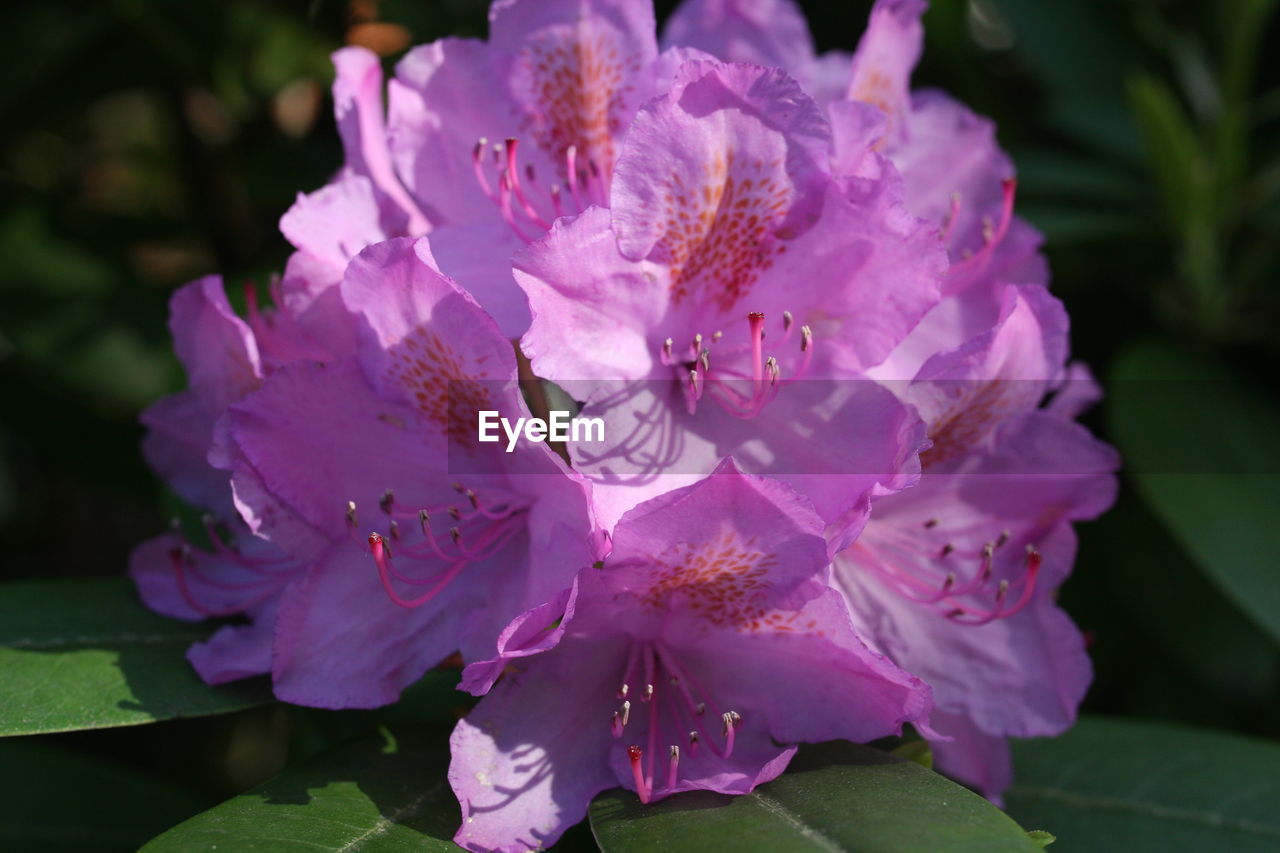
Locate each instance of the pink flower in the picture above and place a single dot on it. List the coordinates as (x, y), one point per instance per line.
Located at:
(226, 359)
(706, 646)
(954, 579)
(318, 448)
(728, 266)
(484, 144)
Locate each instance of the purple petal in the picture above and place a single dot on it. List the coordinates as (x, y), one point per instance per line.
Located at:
(810, 676)
(340, 641)
(315, 437)
(421, 331)
(772, 33)
(529, 758)
(435, 120)
(357, 102)
(972, 756)
(886, 55)
(478, 258)
(237, 651)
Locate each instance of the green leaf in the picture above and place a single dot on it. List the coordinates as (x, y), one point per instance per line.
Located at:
(1200, 445)
(57, 800)
(834, 797)
(917, 751)
(1139, 786)
(1172, 147)
(378, 794)
(86, 654)
(1042, 838)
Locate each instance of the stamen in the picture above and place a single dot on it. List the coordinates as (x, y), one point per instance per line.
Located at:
(756, 322)
(693, 744)
(571, 171)
(673, 766)
(787, 320)
(477, 166)
(513, 173)
(635, 753)
(648, 693)
(730, 720)
(352, 521)
(695, 385)
(950, 217)
(387, 501)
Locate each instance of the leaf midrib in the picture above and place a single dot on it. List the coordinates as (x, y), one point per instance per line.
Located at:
(776, 808)
(384, 822)
(1210, 819)
(124, 639)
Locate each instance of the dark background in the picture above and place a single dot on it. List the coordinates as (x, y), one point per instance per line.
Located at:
(144, 143)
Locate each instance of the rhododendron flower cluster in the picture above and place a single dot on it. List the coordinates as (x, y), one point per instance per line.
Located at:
(834, 488)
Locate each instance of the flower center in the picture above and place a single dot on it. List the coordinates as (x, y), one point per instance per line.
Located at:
(663, 705)
(524, 201)
(475, 534)
(973, 264)
(965, 590)
(741, 378)
(224, 570)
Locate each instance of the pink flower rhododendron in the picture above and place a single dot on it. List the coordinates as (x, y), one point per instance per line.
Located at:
(839, 466)
(703, 648)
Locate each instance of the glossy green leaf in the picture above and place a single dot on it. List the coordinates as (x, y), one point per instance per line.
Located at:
(1111, 784)
(834, 797)
(56, 800)
(86, 654)
(375, 795)
(1200, 445)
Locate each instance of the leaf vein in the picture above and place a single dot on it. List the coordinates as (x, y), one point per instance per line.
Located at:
(1142, 808)
(779, 810)
(384, 822)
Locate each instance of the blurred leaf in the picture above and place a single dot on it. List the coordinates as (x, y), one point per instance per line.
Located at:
(36, 259)
(1199, 660)
(1064, 226)
(1111, 784)
(1103, 123)
(379, 794)
(1172, 148)
(1045, 172)
(85, 654)
(835, 796)
(54, 799)
(1201, 447)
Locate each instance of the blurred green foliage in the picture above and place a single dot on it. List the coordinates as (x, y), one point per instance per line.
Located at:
(144, 143)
